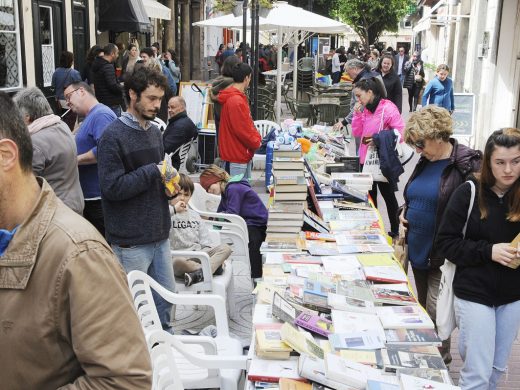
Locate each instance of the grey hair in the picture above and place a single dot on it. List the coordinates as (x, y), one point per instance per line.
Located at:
(355, 63)
(33, 103)
(180, 100)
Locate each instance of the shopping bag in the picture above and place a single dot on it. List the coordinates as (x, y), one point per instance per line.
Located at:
(372, 165)
(445, 319)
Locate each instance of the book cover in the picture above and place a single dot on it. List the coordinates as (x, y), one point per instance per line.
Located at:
(301, 341)
(314, 370)
(358, 289)
(353, 177)
(371, 357)
(414, 383)
(292, 258)
(376, 259)
(314, 300)
(393, 294)
(412, 336)
(441, 376)
(341, 302)
(315, 324)
(262, 314)
(349, 372)
(363, 340)
(396, 317)
(395, 357)
(318, 287)
(386, 274)
(291, 384)
(282, 309)
(322, 248)
(314, 222)
(269, 338)
(313, 200)
(360, 225)
(272, 370)
(349, 322)
(327, 237)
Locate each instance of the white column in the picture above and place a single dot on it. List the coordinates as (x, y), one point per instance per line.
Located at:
(279, 76)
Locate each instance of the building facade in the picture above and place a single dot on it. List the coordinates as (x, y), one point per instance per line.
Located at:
(480, 41)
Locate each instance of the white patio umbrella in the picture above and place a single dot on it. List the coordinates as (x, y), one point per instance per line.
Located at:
(288, 21)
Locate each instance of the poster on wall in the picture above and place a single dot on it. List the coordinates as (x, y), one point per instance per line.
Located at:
(198, 102)
(464, 115)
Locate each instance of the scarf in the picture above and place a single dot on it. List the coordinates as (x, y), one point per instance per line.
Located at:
(43, 122)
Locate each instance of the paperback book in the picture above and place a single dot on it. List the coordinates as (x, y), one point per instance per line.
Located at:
(403, 357)
(414, 383)
(412, 337)
(404, 317)
(315, 324)
(301, 341)
(363, 340)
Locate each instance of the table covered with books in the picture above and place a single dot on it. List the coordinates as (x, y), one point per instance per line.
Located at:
(334, 308)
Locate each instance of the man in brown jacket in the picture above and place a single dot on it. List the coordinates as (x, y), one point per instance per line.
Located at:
(66, 315)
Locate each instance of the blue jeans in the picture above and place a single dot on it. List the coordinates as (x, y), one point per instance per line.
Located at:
(401, 77)
(155, 260)
(239, 169)
(485, 341)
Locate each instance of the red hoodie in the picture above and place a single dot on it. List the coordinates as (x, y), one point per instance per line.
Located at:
(238, 137)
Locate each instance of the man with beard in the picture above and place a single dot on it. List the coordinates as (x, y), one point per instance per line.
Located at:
(135, 205)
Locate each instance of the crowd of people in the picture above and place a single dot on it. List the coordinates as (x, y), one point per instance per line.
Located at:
(79, 208)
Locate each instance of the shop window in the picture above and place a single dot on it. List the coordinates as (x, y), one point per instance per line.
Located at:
(10, 56)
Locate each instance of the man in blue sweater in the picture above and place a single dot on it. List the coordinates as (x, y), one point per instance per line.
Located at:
(135, 204)
(81, 99)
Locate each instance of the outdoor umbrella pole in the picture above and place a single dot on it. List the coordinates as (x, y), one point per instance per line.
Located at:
(244, 31)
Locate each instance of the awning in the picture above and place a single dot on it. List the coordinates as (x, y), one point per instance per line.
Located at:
(123, 16)
(156, 10)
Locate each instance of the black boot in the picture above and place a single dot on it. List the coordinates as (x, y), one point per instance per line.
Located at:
(193, 277)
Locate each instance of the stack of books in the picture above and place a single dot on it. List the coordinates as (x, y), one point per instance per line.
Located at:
(289, 193)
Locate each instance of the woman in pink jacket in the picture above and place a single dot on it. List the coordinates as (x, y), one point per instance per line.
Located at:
(372, 114)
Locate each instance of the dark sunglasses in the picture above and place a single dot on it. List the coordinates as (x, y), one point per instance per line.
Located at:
(419, 144)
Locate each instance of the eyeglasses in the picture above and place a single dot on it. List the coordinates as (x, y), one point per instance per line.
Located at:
(419, 144)
(67, 96)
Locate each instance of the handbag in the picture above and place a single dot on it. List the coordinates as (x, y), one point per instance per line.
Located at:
(404, 151)
(372, 164)
(445, 320)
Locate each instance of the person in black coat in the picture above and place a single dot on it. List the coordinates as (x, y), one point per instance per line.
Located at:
(180, 129)
(108, 90)
(414, 80)
(400, 59)
(394, 91)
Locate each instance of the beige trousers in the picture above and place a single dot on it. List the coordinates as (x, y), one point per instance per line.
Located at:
(217, 256)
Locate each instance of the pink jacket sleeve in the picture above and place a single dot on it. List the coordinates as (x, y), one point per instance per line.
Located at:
(358, 121)
(393, 119)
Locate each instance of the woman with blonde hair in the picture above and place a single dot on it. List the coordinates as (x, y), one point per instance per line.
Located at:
(444, 165)
(237, 197)
(486, 288)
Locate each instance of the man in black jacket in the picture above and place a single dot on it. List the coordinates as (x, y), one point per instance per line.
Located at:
(107, 88)
(180, 130)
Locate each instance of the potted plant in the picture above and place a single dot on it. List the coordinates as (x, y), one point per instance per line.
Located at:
(224, 6)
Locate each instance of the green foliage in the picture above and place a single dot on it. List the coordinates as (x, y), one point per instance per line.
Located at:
(226, 6)
(369, 18)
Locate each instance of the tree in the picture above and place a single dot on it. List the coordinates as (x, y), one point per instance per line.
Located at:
(370, 18)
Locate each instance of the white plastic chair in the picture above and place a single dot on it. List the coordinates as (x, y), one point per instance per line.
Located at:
(183, 152)
(202, 362)
(221, 285)
(159, 123)
(199, 201)
(165, 373)
(263, 127)
(202, 201)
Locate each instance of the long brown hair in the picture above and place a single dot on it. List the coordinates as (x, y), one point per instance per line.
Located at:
(507, 138)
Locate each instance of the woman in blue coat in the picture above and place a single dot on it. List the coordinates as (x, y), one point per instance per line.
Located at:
(439, 91)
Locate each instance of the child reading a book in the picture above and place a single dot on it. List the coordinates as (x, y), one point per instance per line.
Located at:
(188, 232)
(239, 198)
